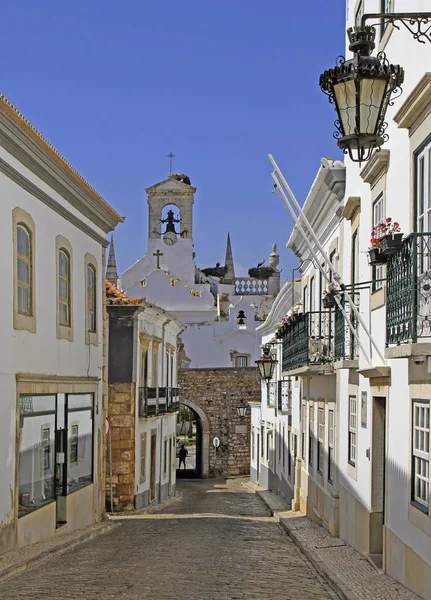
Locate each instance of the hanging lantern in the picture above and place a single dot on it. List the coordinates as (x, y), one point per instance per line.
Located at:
(266, 364)
(361, 89)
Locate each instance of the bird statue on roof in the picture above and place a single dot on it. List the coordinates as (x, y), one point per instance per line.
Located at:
(262, 262)
(217, 265)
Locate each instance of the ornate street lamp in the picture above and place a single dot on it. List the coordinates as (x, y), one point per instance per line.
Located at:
(363, 87)
(241, 410)
(266, 364)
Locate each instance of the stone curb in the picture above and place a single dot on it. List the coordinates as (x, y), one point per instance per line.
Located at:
(326, 572)
(37, 559)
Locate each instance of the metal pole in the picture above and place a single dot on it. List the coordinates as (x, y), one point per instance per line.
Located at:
(110, 468)
(319, 266)
(324, 255)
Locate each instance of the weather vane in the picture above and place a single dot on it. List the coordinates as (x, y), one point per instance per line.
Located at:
(170, 156)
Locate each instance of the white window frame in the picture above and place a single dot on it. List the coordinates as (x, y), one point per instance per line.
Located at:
(421, 454)
(378, 216)
(45, 444)
(331, 445)
(353, 432)
(320, 438)
(241, 358)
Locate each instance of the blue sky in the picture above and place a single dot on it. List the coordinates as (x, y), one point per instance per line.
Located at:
(117, 86)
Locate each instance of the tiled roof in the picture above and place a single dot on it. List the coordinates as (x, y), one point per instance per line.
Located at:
(14, 115)
(116, 296)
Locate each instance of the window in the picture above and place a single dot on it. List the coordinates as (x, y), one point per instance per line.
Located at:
(155, 370)
(63, 287)
(79, 465)
(143, 457)
(304, 419)
(262, 447)
(165, 456)
(36, 468)
(352, 429)
(45, 448)
(74, 443)
(423, 204)
(304, 297)
(241, 361)
(310, 434)
(377, 218)
(385, 7)
(332, 263)
(311, 294)
(253, 448)
(320, 438)
(359, 13)
(268, 445)
(91, 298)
(421, 454)
(280, 440)
(24, 270)
(331, 442)
(284, 447)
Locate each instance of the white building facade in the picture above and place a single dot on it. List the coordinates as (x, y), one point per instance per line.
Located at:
(53, 236)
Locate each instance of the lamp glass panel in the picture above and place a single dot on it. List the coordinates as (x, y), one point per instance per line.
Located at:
(371, 97)
(345, 95)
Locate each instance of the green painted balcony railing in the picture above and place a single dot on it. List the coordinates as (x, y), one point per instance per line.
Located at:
(309, 340)
(345, 346)
(408, 291)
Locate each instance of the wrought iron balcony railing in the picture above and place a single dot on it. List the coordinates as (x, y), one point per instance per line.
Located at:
(309, 340)
(346, 346)
(157, 401)
(408, 291)
(285, 396)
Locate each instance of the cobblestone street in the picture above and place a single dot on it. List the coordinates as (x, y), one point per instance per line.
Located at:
(216, 542)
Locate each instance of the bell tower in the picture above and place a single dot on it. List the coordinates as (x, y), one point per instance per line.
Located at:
(175, 191)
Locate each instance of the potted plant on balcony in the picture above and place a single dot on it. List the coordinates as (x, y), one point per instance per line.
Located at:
(391, 236)
(375, 256)
(296, 313)
(328, 299)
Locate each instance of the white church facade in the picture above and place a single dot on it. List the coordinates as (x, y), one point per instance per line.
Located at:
(219, 310)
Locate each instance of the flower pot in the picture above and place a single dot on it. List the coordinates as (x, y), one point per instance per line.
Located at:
(390, 244)
(329, 301)
(376, 258)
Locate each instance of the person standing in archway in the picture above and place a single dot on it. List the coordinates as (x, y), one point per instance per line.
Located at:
(182, 454)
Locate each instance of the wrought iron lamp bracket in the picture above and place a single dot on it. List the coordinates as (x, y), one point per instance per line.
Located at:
(418, 24)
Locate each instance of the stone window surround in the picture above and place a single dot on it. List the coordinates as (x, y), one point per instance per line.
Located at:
(64, 332)
(91, 337)
(20, 321)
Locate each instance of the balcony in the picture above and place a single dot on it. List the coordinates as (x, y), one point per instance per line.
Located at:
(309, 340)
(345, 344)
(408, 292)
(157, 401)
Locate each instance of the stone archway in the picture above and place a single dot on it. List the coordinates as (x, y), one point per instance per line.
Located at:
(205, 439)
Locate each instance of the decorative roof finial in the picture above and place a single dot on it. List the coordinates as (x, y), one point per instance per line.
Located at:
(111, 270)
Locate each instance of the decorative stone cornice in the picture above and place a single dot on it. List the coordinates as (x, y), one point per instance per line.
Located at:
(352, 206)
(417, 103)
(376, 167)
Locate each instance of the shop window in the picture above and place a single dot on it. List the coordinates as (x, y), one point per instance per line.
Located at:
(421, 455)
(36, 468)
(80, 438)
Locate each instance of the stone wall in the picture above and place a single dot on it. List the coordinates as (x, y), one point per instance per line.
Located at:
(121, 412)
(218, 392)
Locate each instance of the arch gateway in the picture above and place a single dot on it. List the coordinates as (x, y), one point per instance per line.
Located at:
(214, 394)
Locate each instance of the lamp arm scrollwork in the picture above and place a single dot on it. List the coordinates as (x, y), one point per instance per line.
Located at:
(418, 24)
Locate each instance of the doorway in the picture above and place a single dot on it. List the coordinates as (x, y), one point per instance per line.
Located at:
(378, 479)
(153, 456)
(189, 443)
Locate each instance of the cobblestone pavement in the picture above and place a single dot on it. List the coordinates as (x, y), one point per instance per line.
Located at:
(216, 543)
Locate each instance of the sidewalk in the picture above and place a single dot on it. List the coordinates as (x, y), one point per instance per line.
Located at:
(345, 569)
(28, 557)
